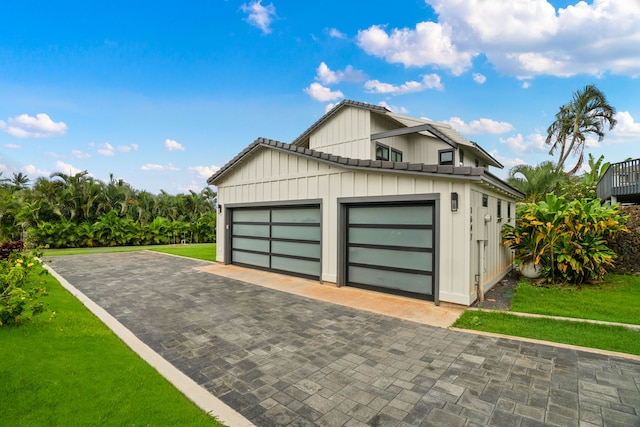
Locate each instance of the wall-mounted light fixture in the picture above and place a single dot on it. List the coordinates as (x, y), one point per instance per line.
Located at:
(454, 202)
(220, 209)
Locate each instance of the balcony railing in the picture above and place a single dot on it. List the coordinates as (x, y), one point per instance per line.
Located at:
(621, 182)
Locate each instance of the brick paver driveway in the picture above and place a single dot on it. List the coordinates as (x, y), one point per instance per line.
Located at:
(281, 359)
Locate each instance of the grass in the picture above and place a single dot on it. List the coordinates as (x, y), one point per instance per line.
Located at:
(612, 338)
(617, 299)
(204, 251)
(72, 370)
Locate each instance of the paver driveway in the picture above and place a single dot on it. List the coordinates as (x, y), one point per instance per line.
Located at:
(281, 359)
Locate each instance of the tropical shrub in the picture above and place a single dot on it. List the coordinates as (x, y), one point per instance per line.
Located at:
(19, 294)
(566, 240)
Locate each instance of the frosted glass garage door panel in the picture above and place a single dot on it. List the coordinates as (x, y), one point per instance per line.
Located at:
(418, 283)
(251, 230)
(414, 215)
(311, 250)
(250, 244)
(302, 215)
(251, 259)
(296, 265)
(251, 215)
(295, 232)
(391, 237)
(390, 258)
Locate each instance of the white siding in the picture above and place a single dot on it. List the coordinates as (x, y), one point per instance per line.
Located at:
(273, 176)
(345, 134)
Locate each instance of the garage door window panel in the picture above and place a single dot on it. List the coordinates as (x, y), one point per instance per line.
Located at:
(310, 250)
(251, 215)
(310, 233)
(251, 230)
(407, 215)
(255, 245)
(259, 260)
(310, 215)
(407, 282)
(411, 237)
(391, 258)
(300, 266)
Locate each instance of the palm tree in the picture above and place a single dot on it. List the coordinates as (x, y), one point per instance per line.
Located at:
(535, 181)
(587, 113)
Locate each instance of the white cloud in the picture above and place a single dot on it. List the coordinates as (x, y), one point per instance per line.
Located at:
(507, 162)
(322, 93)
(479, 78)
(479, 126)
(627, 129)
(151, 167)
(524, 38)
(173, 145)
(157, 167)
(80, 154)
(429, 81)
(260, 16)
(429, 44)
(26, 126)
(106, 150)
(67, 169)
(329, 107)
(12, 146)
(3, 167)
(32, 171)
(526, 85)
(335, 33)
(327, 77)
(204, 171)
(394, 109)
(127, 148)
(533, 143)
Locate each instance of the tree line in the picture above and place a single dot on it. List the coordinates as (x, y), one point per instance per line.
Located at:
(81, 211)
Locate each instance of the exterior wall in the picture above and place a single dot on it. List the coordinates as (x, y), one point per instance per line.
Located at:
(270, 175)
(497, 259)
(345, 134)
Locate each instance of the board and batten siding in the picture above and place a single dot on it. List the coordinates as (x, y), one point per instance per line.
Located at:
(498, 258)
(274, 176)
(351, 127)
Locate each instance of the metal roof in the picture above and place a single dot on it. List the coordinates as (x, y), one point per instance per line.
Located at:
(448, 171)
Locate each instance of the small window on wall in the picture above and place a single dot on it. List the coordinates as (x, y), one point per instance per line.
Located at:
(477, 163)
(396, 155)
(461, 155)
(499, 213)
(382, 152)
(445, 157)
(485, 201)
(509, 211)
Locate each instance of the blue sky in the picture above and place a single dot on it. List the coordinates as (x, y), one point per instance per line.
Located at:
(163, 93)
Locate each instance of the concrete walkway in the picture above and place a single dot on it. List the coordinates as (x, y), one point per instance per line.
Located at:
(284, 359)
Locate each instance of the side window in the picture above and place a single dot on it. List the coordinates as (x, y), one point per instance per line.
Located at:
(461, 155)
(477, 163)
(499, 213)
(382, 152)
(396, 155)
(445, 157)
(485, 201)
(509, 211)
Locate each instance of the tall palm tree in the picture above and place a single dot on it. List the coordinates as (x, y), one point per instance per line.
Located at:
(535, 181)
(587, 113)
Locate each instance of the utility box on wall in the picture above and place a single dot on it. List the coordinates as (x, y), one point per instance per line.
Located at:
(479, 220)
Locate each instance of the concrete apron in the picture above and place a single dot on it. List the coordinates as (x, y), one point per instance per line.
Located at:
(425, 312)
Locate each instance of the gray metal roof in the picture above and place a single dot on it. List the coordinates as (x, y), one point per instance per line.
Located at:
(449, 171)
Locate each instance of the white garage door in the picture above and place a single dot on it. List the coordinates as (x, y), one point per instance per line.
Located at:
(281, 239)
(391, 246)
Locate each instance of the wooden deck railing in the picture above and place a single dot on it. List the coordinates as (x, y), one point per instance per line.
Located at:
(621, 182)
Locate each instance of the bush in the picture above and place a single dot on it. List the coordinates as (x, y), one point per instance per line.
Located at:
(18, 293)
(566, 240)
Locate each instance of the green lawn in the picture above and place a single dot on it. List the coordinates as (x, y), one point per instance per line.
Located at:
(72, 370)
(617, 299)
(204, 251)
(613, 338)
